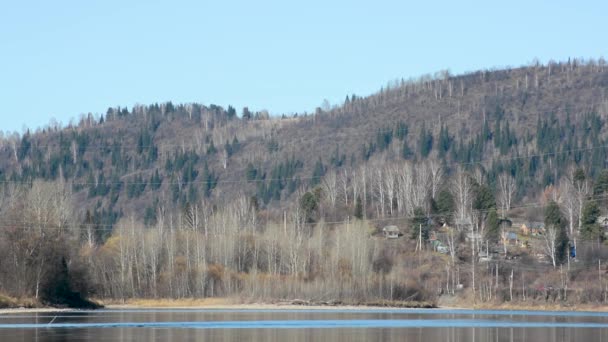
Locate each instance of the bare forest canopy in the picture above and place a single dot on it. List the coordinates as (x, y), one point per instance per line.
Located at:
(190, 200)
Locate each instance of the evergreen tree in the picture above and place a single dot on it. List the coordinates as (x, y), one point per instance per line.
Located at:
(445, 141)
(497, 136)
(246, 114)
(401, 130)
(590, 229)
(251, 172)
(358, 208)
(231, 113)
(486, 132)
(236, 145)
(228, 149)
(601, 183)
(426, 141)
(484, 198)
(445, 204)
(406, 152)
(211, 149)
(273, 145)
(419, 224)
(309, 204)
(209, 181)
(555, 220)
(317, 173)
(493, 226)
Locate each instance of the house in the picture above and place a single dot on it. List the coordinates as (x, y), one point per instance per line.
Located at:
(391, 232)
(532, 228)
(603, 222)
(463, 224)
(473, 237)
(438, 246)
(505, 222)
(485, 256)
(511, 239)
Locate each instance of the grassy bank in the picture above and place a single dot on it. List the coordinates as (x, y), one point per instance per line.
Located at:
(7, 302)
(213, 303)
(541, 307)
(466, 302)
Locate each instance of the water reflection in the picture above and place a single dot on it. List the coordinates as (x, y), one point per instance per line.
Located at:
(276, 325)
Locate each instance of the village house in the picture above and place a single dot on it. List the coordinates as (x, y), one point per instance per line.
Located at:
(464, 224)
(391, 232)
(438, 246)
(603, 222)
(473, 237)
(532, 228)
(511, 239)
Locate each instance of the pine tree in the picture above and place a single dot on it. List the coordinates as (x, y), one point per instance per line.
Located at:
(601, 183)
(497, 135)
(406, 152)
(419, 224)
(358, 208)
(493, 224)
(309, 204)
(426, 141)
(555, 220)
(445, 204)
(590, 229)
(246, 114)
(317, 173)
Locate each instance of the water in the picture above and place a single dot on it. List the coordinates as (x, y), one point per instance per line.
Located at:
(304, 325)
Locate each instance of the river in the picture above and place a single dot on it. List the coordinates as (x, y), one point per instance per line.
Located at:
(304, 325)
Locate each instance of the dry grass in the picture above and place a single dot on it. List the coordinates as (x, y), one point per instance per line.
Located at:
(239, 303)
(170, 303)
(7, 302)
(533, 306)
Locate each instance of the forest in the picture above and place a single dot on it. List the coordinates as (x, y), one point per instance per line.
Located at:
(496, 181)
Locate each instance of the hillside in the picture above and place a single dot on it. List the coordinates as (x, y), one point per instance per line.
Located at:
(244, 191)
(495, 119)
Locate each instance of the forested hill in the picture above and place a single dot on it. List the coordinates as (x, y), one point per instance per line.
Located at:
(532, 123)
(190, 200)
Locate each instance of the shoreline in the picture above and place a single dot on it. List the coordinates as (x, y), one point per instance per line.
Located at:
(233, 304)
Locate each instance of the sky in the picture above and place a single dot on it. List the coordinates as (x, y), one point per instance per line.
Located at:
(59, 59)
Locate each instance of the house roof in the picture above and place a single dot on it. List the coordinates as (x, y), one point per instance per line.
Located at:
(536, 224)
(512, 236)
(463, 222)
(390, 229)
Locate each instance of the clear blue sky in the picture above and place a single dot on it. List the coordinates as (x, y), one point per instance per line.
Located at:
(62, 58)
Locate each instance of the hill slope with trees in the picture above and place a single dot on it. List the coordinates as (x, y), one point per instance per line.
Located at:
(193, 200)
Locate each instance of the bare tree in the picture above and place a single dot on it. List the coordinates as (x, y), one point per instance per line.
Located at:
(569, 202)
(582, 189)
(330, 187)
(506, 191)
(549, 245)
(380, 190)
(390, 184)
(463, 194)
(344, 183)
(436, 174)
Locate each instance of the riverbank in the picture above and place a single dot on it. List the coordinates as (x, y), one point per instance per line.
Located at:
(240, 304)
(236, 303)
